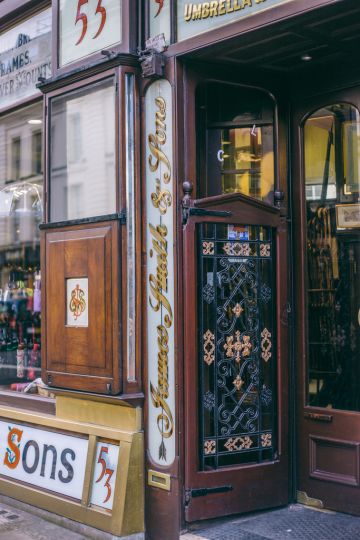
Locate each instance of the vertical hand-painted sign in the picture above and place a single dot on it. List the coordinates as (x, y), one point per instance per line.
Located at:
(160, 272)
(160, 18)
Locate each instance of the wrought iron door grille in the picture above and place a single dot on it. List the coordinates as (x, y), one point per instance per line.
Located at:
(237, 348)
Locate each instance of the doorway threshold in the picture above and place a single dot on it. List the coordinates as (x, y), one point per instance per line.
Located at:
(295, 522)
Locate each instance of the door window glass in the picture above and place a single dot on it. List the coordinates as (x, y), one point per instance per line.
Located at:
(332, 143)
(235, 142)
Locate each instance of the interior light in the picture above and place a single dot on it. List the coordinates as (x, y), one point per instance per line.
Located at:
(35, 121)
(306, 57)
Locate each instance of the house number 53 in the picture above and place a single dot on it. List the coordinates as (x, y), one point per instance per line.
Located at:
(83, 19)
(105, 471)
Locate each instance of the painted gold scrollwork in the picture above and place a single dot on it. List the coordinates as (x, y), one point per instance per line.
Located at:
(159, 295)
(158, 139)
(77, 304)
(209, 347)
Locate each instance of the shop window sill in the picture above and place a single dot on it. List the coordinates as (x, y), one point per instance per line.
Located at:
(27, 402)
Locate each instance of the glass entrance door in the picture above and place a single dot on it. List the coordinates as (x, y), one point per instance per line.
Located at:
(328, 335)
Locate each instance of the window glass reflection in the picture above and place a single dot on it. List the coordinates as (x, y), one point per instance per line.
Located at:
(82, 161)
(21, 196)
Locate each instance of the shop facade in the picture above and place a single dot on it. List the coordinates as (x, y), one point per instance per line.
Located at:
(180, 254)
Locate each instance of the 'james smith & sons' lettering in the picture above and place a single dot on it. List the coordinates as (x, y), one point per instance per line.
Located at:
(161, 199)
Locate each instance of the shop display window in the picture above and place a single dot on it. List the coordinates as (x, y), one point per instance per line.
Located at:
(82, 153)
(21, 209)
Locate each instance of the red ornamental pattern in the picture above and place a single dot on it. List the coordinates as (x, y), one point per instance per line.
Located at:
(77, 304)
(161, 5)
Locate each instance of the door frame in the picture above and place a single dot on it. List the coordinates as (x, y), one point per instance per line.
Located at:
(191, 77)
(307, 415)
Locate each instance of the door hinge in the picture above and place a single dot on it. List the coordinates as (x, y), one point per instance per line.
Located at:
(286, 314)
(122, 217)
(202, 492)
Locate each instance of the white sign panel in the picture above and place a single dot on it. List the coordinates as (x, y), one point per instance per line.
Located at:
(44, 459)
(160, 272)
(88, 26)
(197, 17)
(104, 478)
(160, 18)
(25, 55)
(77, 302)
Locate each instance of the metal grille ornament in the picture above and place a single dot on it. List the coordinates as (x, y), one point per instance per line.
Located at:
(236, 377)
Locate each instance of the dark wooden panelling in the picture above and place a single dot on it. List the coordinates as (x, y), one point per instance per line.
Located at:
(83, 358)
(334, 460)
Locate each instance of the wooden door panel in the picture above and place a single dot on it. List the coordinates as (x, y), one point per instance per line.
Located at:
(235, 470)
(326, 271)
(82, 355)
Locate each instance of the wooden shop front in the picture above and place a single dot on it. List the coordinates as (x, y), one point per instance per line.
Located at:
(71, 423)
(265, 123)
(179, 258)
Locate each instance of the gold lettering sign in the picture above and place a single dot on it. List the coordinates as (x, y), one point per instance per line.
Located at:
(203, 10)
(159, 302)
(194, 18)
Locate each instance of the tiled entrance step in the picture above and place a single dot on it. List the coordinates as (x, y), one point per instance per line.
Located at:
(295, 522)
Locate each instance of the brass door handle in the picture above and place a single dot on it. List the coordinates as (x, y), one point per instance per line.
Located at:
(318, 417)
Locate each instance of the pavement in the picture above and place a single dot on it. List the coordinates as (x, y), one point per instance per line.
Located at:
(19, 521)
(19, 525)
(295, 522)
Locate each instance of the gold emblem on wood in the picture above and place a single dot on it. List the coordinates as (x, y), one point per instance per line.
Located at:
(77, 304)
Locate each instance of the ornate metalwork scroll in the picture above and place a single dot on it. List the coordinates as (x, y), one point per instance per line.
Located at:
(237, 333)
